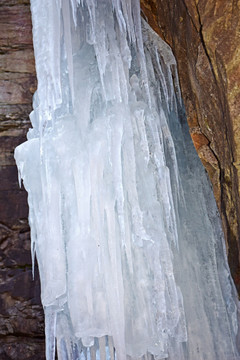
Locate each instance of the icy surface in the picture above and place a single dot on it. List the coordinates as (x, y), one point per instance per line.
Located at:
(123, 221)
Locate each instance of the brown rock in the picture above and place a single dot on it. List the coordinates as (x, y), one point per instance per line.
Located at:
(21, 314)
(18, 61)
(205, 38)
(21, 348)
(16, 25)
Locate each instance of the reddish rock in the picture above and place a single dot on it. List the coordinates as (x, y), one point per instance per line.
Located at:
(205, 39)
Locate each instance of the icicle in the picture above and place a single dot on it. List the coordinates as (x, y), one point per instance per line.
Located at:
(50, 331)
(123, 222)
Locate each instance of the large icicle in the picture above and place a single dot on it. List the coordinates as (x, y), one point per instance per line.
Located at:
(123, 221)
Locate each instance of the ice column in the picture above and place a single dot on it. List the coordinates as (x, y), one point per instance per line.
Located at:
(123, 221)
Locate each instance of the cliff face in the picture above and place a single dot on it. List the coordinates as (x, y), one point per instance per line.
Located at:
(205, 38)
(21, 319)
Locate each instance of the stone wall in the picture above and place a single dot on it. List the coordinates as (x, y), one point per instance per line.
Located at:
(21, 316)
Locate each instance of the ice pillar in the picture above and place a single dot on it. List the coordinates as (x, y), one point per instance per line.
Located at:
(123, 221)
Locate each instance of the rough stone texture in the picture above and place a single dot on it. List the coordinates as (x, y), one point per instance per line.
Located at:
(21, 315)
(205, 38)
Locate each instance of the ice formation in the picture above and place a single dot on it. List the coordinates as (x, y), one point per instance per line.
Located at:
(123, 221)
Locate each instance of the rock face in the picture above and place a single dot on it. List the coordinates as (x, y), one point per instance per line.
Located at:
(205, 38)
(21, 317)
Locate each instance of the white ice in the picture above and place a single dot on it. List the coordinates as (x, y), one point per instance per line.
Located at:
(123, 221)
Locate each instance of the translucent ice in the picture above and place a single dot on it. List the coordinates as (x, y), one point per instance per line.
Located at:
(123, 221)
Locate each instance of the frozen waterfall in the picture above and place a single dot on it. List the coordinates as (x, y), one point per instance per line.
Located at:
(124, 225)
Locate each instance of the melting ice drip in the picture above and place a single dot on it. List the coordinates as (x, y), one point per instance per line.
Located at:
(123, 221)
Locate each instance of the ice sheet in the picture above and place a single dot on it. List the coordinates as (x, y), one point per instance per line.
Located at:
(123, 221)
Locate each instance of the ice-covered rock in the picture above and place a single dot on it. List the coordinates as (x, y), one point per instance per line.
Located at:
(123, 221)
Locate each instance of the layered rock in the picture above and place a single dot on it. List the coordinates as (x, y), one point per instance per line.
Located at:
(205, 39)
(21, 317)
